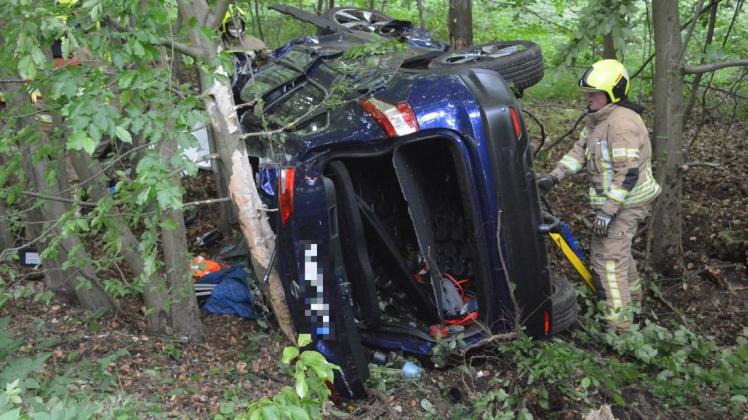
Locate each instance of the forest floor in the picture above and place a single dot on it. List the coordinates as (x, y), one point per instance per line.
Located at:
(239, 363)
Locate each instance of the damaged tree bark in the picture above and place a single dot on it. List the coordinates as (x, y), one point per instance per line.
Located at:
(237, 170)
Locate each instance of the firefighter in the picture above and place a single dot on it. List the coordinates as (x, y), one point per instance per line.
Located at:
(615, 150)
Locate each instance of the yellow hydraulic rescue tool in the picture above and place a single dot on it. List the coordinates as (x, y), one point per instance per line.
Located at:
(570, 255)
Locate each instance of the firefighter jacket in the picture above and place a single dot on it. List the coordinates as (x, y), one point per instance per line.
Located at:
(615, 150)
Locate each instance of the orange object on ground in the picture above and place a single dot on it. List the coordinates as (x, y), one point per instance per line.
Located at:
(201, 266)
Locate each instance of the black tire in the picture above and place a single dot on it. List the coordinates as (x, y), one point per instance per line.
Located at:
(523, 67)
(564, 305)
(373, 24)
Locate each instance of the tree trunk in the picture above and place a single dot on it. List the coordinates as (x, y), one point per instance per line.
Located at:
(460, 24)
(183, 309)
(155, 292)
(421, 22)
(219, 103)
(92, 296)
(252, 218)
(259, 21)
(667, 245)
(6, 237)
(609, 47)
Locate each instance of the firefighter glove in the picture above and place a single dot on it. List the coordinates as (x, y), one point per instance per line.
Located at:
(601, 224)
(545, 183)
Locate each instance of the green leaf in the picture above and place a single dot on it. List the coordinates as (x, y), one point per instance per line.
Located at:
(301, 386)
(585, 383)
(426, 405)
(26, 67)
(289, 353)
(79, 140)
(304, 340)
(227, 407)
(38, 56)
(137, 48)
(123, 134)
(738, 399)
(126, 79)
(11, 415)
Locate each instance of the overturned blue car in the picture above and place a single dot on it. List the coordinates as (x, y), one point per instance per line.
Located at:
(403, 176)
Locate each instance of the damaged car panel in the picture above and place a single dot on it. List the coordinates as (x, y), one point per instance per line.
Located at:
(408, 211)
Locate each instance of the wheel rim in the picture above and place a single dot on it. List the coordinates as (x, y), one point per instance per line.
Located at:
(485, 52)
(361, 19)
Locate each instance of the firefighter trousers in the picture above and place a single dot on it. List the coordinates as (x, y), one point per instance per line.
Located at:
(613, 267)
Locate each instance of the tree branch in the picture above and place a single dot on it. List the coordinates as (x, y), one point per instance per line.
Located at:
(699, 9)
(683, 26)
(182, 48)
(216, 16)
(60, 199)
(706, 68)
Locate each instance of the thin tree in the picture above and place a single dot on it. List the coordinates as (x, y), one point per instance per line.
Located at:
(460, 24)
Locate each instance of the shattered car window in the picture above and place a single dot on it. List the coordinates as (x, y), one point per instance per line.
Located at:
(274, 76)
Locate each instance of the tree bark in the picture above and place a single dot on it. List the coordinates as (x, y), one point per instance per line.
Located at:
(421, 22)
(58, 278)
(6, 237)
(460, 24)
(667, 245)
(183, 309)
(609, 47)
(219, 103)
(155, 292)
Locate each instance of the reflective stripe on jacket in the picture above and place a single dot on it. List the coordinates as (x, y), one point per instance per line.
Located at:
(615, 150)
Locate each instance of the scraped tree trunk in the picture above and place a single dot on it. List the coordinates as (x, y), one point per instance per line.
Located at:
(460, 24)
(667, 246)
(238, 173)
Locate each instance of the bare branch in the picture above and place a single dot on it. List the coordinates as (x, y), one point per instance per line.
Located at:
(683, 26)
(566, 134)
(689, 165)
(109, 165)
(60, 199)
(182, 48)
(706, 68)
(215, 17)
(699, 10)
(209, 201)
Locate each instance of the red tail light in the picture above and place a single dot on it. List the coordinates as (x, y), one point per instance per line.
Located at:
(546, 322)
(395, 120)
(515, 122)
(285, 199)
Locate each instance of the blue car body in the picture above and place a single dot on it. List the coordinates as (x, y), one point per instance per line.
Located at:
(468, 164)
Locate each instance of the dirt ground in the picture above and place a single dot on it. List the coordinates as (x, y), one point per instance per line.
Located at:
(239, 360)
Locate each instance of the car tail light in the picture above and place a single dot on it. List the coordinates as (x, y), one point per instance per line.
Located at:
(396, 120)
(546, 322)
(515, 122)
(285, 199)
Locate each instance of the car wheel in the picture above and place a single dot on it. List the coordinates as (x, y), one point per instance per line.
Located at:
(519, 62)
(358, 19)
(564, 302)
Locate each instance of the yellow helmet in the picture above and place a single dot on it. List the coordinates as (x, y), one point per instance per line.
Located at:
(609, 76)
(233, 12)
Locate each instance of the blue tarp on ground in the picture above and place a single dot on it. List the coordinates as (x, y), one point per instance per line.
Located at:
(231, 295)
